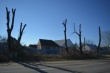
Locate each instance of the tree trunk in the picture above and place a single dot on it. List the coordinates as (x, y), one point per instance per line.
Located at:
(81, 52)
(9, 29)
(18, 46)
(66, 47)
(98, 48)
(66, 42)
(79, 34)
(21, 32)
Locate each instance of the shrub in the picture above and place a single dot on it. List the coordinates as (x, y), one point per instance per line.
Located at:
(57, 57)
(3, 58)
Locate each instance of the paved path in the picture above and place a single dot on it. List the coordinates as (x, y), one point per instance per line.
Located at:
(81, 66)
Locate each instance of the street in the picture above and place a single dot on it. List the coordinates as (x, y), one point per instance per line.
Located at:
(78, 66)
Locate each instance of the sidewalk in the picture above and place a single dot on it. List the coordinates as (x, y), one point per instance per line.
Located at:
(8, 63)
(50, 62)
(42, 62)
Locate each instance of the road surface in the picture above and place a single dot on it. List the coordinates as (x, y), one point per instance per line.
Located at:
(80, 66)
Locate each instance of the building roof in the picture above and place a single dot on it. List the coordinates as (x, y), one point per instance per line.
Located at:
(92, 46)
(45, 42)
(33, 45)
(62, 42)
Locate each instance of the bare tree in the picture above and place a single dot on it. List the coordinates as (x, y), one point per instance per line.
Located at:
(84, 43)
(9, 29)
(79, 34)
(66, 47)
(99, 40)
(18, 45)
(13, 47)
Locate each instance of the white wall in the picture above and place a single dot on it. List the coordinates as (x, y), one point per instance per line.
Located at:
(86, 48)
(69, 44)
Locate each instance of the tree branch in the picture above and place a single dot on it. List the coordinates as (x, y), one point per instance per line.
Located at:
(13, 17)
(8, 18)
(75, 30)
(23, 28)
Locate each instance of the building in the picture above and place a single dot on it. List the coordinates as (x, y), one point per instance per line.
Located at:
(47, 47)
(33, 45)
(61, 43)
(47, 44)
(89, 48)
(70, 45)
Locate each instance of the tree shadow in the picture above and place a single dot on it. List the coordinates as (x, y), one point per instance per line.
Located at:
(34, 66)
(61, 69)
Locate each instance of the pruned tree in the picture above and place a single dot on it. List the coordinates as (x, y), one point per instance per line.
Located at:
(66, 47)
(79, 34)
(99, 40)
(84, 43)
(9, 29)
(18, 45)
(11, 45)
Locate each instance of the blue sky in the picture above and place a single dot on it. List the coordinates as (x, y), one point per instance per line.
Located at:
(44, 18)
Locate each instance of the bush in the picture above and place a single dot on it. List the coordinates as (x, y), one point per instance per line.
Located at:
(57, 57)
(3, 58)
(90, 56)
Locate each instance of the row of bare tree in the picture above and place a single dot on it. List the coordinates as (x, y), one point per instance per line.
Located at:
(80, 38)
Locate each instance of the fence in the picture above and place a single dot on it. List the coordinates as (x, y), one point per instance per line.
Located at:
(44, 51)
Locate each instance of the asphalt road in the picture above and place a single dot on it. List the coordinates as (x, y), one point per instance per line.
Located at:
(80, 66)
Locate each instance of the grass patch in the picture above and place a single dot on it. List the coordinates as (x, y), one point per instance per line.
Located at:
(105, 57)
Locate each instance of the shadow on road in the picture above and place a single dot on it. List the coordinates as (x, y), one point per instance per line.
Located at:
(62, 69)
(34, 66)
